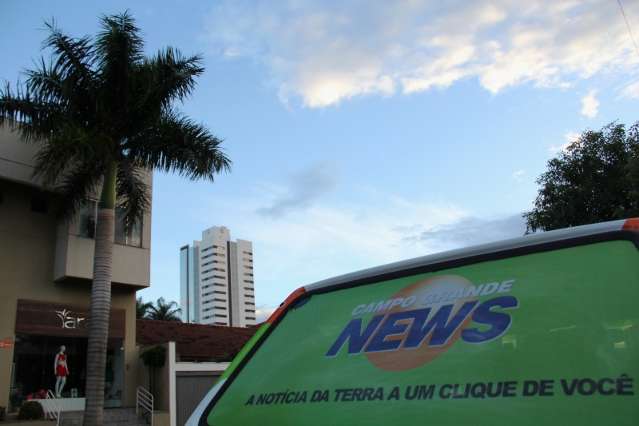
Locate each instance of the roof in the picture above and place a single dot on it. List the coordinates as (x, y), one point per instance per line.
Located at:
(195, 341)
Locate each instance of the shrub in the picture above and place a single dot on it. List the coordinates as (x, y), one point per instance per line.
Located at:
(31, 410)
(154, 357)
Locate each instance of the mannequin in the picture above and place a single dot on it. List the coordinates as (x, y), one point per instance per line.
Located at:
(61, 371)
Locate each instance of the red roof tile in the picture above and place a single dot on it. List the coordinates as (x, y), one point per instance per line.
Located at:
(195, 341)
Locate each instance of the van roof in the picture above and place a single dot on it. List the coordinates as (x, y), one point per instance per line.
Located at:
(481, 250)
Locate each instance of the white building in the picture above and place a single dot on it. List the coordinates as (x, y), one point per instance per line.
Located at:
(216, 280)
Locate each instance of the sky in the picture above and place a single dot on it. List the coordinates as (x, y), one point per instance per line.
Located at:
(365, 132)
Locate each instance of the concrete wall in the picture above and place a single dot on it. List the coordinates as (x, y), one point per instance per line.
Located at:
(27, 250)
(73, 254)
(16, 157)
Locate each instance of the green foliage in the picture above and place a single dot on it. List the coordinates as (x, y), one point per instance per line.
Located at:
(31, 410)
(154, 357)
(595, 179)
(141, 308)
(164, 311)
(99, 105)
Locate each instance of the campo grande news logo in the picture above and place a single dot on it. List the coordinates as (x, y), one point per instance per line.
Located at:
(424, 319)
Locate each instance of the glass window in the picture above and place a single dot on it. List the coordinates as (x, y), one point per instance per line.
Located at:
(87, 222)
(130, 237)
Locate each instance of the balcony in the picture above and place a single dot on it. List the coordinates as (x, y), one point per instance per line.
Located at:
(66, 245)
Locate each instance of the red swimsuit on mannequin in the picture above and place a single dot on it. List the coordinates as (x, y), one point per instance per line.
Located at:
(61, 369)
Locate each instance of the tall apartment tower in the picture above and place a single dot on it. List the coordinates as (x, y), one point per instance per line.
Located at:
(216, 280)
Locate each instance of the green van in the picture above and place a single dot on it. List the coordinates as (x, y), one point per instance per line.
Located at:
(537, 330)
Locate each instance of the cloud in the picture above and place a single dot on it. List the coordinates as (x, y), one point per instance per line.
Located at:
(263, 312)
(326, 238)
(590, 105)
(326, 52)
(518, 175)
(570, 138)
(472, 230)
(304, 188)
(332, 237)
(631, 91)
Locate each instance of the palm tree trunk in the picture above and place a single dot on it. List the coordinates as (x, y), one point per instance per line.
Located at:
(100, 302)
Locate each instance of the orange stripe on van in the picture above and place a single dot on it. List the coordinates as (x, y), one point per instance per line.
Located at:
(631, 224)
(290, 299)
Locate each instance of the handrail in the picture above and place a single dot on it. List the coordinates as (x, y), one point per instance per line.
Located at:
(144, 402)
(54, 412)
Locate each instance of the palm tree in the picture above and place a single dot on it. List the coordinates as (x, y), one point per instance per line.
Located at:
(164, 311)
(141, 308)
(104, 114)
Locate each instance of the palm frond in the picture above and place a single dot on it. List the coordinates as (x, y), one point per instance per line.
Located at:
(169, 76)
(35, 116)
(132, 191)
(178, 144)
(74, 57)
(77, 186)
(69, 146)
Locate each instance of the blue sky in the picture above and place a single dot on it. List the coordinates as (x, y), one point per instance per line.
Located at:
(365, 132)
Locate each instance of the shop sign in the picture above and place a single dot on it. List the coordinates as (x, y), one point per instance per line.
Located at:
(68, 320)
(54, 319)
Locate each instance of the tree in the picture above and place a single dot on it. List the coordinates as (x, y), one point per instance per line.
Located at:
(141, 308)
(595, 179)
(103, 114)
(164, 311)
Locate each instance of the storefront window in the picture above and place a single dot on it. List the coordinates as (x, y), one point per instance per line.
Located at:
(34, 368)
(87, 221)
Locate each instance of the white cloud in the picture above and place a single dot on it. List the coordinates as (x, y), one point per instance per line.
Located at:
(472, 230)
(518, 175)
(304, 189)
(590, 105)
(326, 53)
(331, 238)
(263, 312)
(570, 138)
(631, 91)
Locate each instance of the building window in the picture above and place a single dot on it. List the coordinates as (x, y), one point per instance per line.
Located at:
(220, 316)
(250, 310)
(128, 237)
(219, 292)
(87, 222)
(249, 296)
(250, 318)
(248, 288)
(249, 303)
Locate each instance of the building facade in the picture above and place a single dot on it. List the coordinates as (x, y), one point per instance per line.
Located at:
(217, 280)
(46, 269)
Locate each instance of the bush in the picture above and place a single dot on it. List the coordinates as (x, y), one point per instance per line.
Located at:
(154, 357)
(31, 410)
